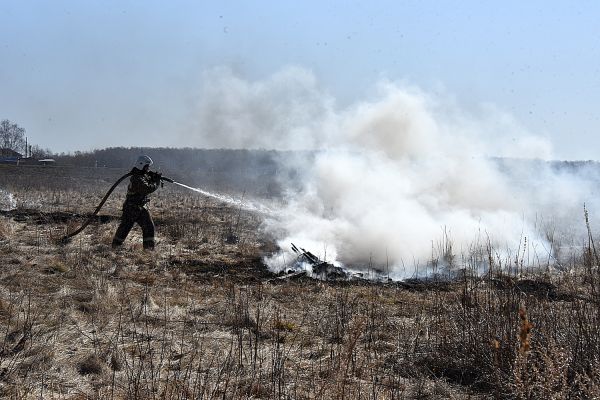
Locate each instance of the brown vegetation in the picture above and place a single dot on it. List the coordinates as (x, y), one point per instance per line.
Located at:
(202, 318)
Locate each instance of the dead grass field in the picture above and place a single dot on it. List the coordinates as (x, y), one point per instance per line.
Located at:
(201, 318)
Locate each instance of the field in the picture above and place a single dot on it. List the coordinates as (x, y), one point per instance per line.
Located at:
(201, 317)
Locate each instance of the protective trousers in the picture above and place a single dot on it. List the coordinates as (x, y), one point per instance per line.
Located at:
(133, 214)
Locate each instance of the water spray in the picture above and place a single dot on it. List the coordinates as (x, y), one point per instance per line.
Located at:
(240, 203)
(223, 198)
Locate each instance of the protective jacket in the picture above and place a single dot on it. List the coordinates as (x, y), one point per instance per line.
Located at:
(141, 184)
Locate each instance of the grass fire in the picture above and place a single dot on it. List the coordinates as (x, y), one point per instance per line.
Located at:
(203, 315)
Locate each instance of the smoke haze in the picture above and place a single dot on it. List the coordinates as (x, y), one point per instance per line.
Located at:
(393, 178)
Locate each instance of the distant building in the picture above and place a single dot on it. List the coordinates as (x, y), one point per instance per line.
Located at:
(9, 156)
(4, 152)
(47, 161)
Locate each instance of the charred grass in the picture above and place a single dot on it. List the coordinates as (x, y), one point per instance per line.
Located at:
(202, 318)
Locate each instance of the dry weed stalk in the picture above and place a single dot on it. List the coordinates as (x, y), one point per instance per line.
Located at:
(524, 332)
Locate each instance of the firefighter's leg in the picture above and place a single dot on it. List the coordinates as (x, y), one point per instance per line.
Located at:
(145, 221)
(127, 221)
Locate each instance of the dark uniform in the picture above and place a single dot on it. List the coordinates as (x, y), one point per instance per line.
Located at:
(141, 184)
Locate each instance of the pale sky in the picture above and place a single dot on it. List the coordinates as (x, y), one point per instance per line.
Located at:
(79, 75)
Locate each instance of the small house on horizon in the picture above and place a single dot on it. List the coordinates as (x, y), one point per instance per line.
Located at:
(4, 152)
(47, 161)
(9, 156)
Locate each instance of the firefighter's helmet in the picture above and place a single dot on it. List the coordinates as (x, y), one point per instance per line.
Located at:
(142, 161)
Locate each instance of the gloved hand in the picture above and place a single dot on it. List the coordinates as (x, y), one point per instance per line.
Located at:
(155, 176)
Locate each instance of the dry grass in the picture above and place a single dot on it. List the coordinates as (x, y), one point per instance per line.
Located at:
(199, 318)
(5, 230)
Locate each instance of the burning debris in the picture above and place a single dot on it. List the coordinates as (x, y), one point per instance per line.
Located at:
(308, 264)
(317, 268)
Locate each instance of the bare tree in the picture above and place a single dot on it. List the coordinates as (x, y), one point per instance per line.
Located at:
(12, 136)
(38, 152)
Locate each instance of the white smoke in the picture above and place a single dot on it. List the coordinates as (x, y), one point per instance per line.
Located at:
(7, 201)
(392, 175)
(286, 111)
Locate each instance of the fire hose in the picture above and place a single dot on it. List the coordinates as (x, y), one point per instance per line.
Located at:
(155, 175)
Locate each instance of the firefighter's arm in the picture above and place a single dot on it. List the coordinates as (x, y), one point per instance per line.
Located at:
(152, 181)
(144, 184)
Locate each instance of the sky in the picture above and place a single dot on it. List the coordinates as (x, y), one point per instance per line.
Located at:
(81, 75)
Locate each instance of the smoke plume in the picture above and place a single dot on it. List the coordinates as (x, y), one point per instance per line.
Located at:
(398, 179)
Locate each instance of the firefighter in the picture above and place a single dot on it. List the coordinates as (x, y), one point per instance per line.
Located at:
(141, 184)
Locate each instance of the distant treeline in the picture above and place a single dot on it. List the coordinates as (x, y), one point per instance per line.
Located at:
(255, 171)
(505, 164)
(261, 172)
